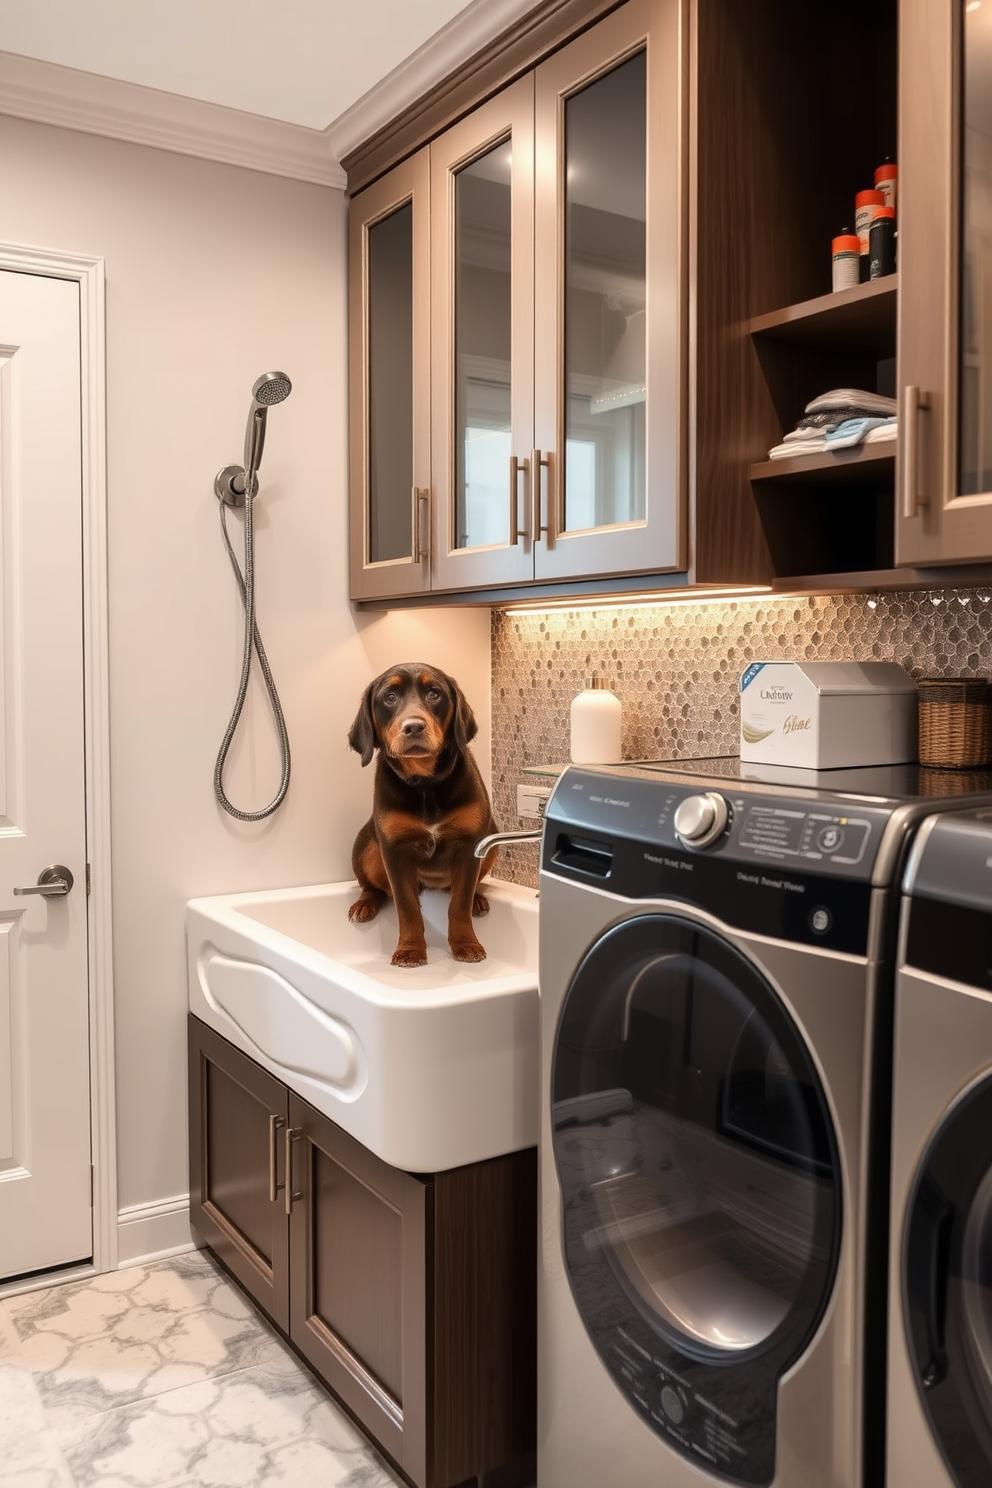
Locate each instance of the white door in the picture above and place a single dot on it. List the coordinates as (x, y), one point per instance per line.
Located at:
(45, 1201)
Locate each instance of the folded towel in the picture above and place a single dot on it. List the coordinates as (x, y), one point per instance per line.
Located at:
(813, 446)
(888, 430)
(829, 416)
(851, 398)
(852, 431)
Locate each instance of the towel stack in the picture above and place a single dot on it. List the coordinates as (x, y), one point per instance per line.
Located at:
(837, 420)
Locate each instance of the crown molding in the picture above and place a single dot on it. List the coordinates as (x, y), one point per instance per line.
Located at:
(464, 36)
(50, 94)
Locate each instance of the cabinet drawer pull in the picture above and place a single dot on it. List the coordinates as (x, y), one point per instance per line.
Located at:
(420, 499)
(276, 1123)
(516, 531)
(909, 429)
(539, 529)
(293, 1134)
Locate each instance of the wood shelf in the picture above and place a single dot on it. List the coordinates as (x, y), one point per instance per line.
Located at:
(861, 320)
(832, 468)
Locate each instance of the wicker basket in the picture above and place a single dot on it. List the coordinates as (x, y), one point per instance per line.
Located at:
(955, 723)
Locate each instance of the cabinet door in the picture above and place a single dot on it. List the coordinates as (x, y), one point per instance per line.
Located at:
(610, 300)
(237, 1123)
(358, 1307)
(482, 284)
(389, 341)
(944, 462)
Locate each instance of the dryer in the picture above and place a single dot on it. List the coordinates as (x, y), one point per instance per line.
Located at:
(716, 963)
(940, 1309)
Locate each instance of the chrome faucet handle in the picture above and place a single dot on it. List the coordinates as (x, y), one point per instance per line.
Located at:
(501, 839)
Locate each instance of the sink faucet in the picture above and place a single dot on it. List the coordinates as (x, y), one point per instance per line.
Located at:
(498, 839)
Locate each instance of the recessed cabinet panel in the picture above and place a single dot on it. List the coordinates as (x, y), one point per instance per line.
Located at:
(944, 473)
(389, 329)
(237, 1122)
(482, 184)
(609, 298)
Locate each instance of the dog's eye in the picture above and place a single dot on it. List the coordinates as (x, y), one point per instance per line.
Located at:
(433, 694)
(389, 698)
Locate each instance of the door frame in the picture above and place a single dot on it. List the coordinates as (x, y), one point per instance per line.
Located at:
(89, 273)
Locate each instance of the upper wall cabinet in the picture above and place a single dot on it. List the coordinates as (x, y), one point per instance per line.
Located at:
(556, 297)
(945, 324)
(389, 388)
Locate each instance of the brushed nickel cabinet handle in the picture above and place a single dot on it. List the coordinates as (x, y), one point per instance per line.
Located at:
(539, 529)
(516, 531)
(909, 428)
(293, 1134)
(276, 1123)
(421, 497)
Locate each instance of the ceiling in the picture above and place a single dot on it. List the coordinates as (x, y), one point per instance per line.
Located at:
(299, 62)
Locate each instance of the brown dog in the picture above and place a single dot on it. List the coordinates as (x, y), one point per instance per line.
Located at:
(429, 808)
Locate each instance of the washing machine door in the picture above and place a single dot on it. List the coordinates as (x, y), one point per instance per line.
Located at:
(947, 1286)
(700, 1184)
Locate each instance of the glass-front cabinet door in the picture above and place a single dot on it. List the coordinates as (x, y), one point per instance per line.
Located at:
(389, 333)
(607, 476)
(482, 295)
(944, 207)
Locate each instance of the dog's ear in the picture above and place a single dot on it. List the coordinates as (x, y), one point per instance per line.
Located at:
(361, 736)
(464, 726)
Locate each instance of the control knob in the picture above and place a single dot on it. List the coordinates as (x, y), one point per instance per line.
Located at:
(699, 820)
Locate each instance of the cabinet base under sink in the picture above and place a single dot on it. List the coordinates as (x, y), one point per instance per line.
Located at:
(411, 1295)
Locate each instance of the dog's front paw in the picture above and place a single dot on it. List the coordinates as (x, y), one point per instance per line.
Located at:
(410, 955)
(480, 905)
(365, 907)
(467, 950)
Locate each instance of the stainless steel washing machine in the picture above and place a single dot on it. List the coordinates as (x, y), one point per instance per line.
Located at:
(940, 1299)
(716, 973)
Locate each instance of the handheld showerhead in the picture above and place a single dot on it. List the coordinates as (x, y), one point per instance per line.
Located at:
(234, 481)
(269, 389)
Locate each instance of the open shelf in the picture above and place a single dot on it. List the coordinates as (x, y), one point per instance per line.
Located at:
(861, 321)
(831, 468)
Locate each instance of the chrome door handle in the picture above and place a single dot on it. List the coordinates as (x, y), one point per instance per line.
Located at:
(54, 882)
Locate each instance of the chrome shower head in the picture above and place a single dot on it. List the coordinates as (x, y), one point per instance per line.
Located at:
(267, 390)
(271, 387)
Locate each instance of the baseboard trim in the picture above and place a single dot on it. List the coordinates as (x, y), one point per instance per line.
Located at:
(153, 1232)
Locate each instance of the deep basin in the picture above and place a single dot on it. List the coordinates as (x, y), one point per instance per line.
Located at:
(430, 1067)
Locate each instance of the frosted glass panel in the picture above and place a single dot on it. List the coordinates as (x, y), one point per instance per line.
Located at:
(976, 245)
(605, 299)
(482, 349)
(390, 386)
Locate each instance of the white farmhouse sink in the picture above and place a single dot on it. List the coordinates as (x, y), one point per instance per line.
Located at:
(430, 1067)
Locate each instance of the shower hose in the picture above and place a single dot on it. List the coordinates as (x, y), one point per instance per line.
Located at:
(246, 584)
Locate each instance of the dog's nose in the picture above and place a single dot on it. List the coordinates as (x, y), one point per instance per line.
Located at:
(412, 727)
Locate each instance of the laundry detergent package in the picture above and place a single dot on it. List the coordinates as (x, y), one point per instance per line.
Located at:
(828, 715)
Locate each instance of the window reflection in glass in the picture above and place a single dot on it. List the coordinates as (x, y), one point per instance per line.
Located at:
(482, 349)
(605, 299)
(390, 385)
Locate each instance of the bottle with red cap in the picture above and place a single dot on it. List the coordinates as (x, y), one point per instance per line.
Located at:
(845, 252)
(887, 181)
(866, 204)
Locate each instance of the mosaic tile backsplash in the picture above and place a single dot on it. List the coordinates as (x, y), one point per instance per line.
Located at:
(676, 667)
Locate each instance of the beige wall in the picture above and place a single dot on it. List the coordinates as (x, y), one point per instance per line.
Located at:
(215, 274)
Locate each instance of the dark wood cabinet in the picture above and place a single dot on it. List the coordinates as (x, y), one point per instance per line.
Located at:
(413, 1296)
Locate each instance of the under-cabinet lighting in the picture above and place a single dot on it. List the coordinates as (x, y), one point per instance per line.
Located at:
(650, 600)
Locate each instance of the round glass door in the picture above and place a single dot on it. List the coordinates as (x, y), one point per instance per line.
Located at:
(947, 1286)
(700, 1184)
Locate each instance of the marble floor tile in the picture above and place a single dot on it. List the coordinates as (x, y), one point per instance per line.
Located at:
(164, 1376)
(269, 1425)
(94, 1345)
